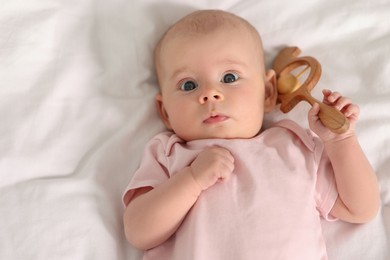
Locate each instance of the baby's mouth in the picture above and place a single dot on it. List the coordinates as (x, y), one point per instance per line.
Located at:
(215, 119)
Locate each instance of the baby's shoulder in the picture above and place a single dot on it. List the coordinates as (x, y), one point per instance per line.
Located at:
(289, 131)
(163, 142)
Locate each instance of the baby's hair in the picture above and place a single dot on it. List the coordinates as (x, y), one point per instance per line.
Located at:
(204, 22)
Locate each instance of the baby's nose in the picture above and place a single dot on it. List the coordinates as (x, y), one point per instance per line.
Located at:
(210, 95)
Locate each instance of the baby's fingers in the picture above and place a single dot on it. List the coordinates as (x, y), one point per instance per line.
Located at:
(341, 103)
(351, 111)
(336, 100)
(331, 97)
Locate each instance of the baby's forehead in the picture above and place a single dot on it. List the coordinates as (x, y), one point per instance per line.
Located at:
(207, 21)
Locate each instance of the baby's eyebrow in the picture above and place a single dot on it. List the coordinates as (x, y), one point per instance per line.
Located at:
(224, 61)
(233, 62)
(178, 72)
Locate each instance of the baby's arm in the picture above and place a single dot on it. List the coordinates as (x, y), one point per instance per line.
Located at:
(358, 189)
(153, 215)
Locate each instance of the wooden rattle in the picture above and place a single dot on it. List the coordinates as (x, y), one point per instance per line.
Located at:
(291, 91)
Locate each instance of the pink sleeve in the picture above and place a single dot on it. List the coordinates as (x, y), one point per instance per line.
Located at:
(152, 170)
(326, 189)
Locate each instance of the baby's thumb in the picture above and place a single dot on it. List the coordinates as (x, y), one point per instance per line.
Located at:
(313, 112)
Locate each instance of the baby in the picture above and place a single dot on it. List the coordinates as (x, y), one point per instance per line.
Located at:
(217, 186)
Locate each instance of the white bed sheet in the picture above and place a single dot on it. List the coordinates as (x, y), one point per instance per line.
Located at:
(76, 109)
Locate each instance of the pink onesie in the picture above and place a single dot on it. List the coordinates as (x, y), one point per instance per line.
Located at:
(269, 209)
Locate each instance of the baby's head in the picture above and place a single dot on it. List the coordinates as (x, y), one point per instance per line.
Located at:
(213, 84)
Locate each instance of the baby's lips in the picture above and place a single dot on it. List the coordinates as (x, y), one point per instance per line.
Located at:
(215, 119)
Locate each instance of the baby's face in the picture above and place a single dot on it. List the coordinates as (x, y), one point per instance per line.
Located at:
(212, 85)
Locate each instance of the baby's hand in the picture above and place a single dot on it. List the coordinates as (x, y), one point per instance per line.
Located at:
(344, 105)
(212, 165)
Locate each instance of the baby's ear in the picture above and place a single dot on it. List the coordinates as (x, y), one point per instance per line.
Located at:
(161, 111)
(271, 92)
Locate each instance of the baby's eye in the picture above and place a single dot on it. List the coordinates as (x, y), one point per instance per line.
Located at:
(229, 77)
(188, 85)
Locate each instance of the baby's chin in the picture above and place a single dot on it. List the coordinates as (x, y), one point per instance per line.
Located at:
(219, 135)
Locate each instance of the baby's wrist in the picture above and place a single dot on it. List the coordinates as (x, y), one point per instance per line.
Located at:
(338, 140)
(198, 186)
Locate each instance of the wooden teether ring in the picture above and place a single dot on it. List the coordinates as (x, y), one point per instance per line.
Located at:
(291, 93)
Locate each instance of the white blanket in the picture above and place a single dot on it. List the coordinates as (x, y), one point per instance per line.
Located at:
(76, 109)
